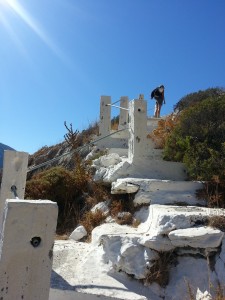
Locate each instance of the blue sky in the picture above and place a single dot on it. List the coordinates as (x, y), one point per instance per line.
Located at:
(57, 57)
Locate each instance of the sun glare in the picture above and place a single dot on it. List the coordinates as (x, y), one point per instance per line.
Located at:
(23, 15)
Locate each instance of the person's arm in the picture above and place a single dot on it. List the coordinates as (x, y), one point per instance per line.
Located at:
(152, 94)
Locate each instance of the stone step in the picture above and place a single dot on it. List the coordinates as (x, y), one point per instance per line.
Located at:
(152, 191)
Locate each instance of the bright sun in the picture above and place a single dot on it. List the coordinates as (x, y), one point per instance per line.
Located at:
(17, 9)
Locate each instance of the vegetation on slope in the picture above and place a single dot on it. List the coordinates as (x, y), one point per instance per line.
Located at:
(198, 140)
(194, 136)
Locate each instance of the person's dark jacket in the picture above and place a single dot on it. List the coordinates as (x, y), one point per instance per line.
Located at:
(158, 96)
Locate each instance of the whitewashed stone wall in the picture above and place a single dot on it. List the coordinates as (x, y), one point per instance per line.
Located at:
(123, 117)
(105, 116)
(137, 144)
(14, 175)
(26, 249)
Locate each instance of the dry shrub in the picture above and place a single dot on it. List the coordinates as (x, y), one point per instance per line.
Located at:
(217, 222)
(190, 290)
(159, 272)
(122, 203)
(98, 193)
(220, 293)
(116, 207)
(161, 133)
(59, 185)
(213, 192)
(124, 218)
(81, 174)
(115, 123)
(90, 220)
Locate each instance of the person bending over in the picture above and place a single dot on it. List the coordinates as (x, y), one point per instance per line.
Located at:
(158, 95)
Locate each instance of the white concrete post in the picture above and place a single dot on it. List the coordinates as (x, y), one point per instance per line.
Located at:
(26, 249)
(14, 175)
(137, 144)
(123, 118)
(105, 116)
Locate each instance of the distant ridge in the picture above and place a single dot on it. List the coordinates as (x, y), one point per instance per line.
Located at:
(2, 148)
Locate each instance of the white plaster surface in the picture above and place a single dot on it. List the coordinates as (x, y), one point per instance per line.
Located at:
(137, 144)
(79, 268)
(107, 160)
(188, 271)
(105, 116)
(14, 174)
(78, 233)
(24, 269)
(141, 168)
(199, 237)
(118, 250)
(152, 191)
(123, 117)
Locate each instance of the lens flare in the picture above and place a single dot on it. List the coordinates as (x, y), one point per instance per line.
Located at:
(20, 11)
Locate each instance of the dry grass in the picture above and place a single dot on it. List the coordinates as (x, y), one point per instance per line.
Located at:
(122, 209)
(90, 220)
(217, 222)
(159, 272)
(219, 292)
(124, 218)
(161, 133)
(213, 192)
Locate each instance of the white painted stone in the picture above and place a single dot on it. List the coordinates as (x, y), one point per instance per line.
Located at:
(78, 233)
(220, 271)
(109, 219)
(125, 254)
(142, 198)
(203, 295)
(123, 117)
(137, 144)
(101, 206)
(109, 175)
(123, 187)
(105, 116)
(156, 242)
(222, 252)
(114, 229)
(188, 271)
(91, 154)
(160, 191)
(14, 174)
(81, 271)
(25, 268)
(165, 218)
(220, 265)
(198, 237)
(107, 160)
(153, 169)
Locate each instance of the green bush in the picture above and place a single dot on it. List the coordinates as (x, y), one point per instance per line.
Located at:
(194, 98)
(198, 140)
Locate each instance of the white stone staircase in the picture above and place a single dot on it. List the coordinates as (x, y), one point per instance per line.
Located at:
(172, 218)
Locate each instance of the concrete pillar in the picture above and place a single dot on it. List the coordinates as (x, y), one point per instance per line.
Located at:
(137, 144)
(26, 249)
(105, 116)
(123, 118)
(14, 175)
